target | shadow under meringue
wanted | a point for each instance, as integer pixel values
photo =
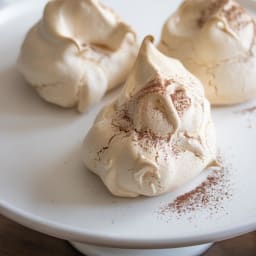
(21, 109)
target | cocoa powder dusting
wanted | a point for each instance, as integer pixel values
(209, 195)
(213, 7)
(248, 110)
(157, 85)
(181, 102)
(250, 114)
(236, 16)
(146, 138)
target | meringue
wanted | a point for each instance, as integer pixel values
(215, 40)
(157, 135)
(78, 51)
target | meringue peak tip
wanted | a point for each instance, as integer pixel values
(147, 44)
(148, 39)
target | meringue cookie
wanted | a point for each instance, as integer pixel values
(78, 51)
(215, 40)
(157, 135)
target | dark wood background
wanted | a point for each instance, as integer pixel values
(16, 240)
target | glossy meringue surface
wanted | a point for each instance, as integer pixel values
(78, 51)
(215, 40)
(157, 135)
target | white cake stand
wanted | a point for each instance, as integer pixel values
(44, 185)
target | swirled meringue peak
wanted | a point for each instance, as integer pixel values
(78, 51)
(216, 41)
(157, 135)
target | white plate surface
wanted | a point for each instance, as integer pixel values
(44, 185)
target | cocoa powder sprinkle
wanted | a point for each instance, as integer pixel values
(210, 195)
(181, 102)
(214, 6)
(248, 110)
(249, 114)
(234, 14)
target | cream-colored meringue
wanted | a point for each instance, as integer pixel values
(157, 135)
(78, 51)
(216, 41)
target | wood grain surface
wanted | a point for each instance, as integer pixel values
(16, 240)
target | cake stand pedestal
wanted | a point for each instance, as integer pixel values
(90, 250)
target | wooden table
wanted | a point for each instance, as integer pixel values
(16, 240)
